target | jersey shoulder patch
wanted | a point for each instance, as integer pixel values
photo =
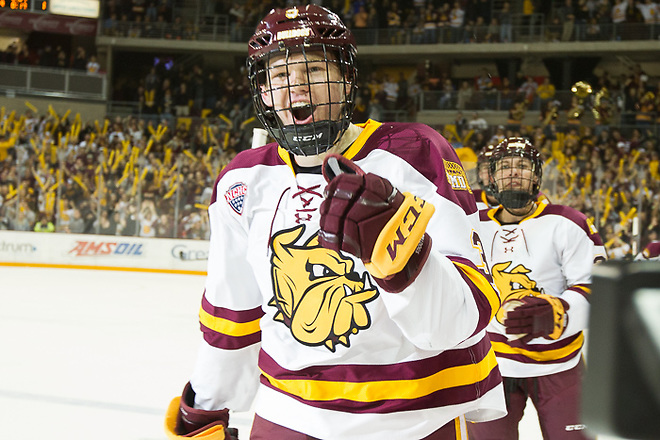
(235, 196)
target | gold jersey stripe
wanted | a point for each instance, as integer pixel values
(484, 286)
(227, 327)
(318, 390)
(585, 289)
(368, 128)
(548, 355)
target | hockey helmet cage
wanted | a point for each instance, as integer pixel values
(510, 196)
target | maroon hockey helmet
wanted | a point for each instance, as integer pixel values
(304, 30)
(483, 161)
(509, 196)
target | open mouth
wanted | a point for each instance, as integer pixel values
(302, 112)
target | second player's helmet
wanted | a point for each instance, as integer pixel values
(510, 187)
(303, 31)
(483, 169)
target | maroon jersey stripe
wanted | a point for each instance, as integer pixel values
(449, 396)
(219, 340)
(582, 289)
(371, 373)
(495, 337)
(525, 360)
(576, 217)
(232, 315)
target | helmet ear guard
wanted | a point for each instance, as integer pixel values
(314, 34)
(515, 196)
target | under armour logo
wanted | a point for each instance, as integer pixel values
(300, 218)
(506, 249)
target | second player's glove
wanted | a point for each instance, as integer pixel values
(537, 316)
(184, 421)
(364, 215)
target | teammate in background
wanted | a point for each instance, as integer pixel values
(651, 252)
(354, 309)
(541, 257)
(484, 195)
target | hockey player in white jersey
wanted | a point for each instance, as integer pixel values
(346, 285)
(484, 195)
(541, 257)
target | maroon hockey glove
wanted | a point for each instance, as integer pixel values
(537, 316)
(362, 215)
(356, 208)
(191, 422)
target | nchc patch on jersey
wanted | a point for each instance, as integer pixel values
(235, 196)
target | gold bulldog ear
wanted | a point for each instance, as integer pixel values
(520, 269)
(501, 267)
(283, 240)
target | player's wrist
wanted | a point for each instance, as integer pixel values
(404, 278)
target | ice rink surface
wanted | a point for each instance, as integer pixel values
(99, 354)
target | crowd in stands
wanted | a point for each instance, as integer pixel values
(151, 174)
(409, 21)
(21, 53)
(169, 90)
(138, 177)
(117, 177)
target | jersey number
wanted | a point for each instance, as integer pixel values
(476, 243)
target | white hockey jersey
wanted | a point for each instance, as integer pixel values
(330, 353)
(552, 251)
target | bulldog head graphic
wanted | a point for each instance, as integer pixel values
(317, 292)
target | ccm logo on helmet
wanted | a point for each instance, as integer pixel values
(307, 138)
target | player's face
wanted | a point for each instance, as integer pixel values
(484, 172)
(514, 174)
(304, 88)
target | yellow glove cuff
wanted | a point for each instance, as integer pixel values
(216, 432)
(399, 238)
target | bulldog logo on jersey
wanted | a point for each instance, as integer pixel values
(317, 292)
(514, 284)
(235, 196)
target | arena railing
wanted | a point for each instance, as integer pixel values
(51, 82)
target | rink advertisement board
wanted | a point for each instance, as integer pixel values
(103, 252)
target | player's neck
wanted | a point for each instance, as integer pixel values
(505, 216)
(352, 133)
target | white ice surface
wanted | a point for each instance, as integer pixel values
(95, 354)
